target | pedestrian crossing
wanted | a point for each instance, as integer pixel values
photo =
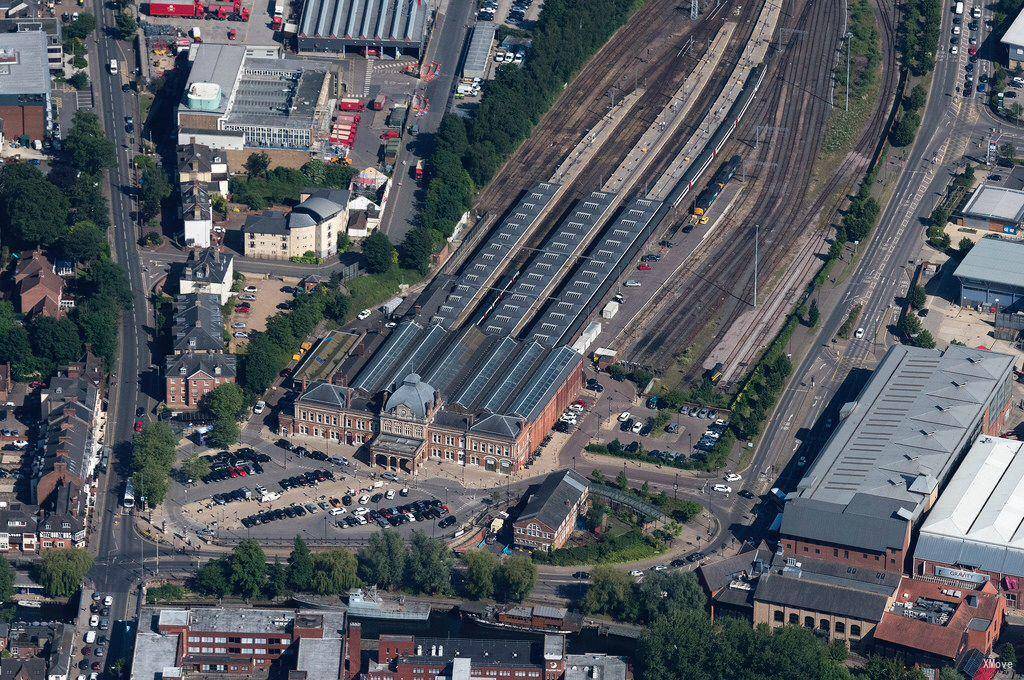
(84, 99)
(367, 79)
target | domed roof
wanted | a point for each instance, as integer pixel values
(414, 393)
(321, 208)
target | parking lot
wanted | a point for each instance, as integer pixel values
(259, 300)
(275, 492)
(258, 30)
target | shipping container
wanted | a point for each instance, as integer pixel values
(391, 305)
(610, 310)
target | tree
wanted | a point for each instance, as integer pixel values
(247, 568)
(87, 145)
(56, 340)
(211, 578)
(227, 401)
(924, 339)
(225, 432)
(60, 572)
(152, 458)
(917, 297)
(515, 578)
(609, 592)
(6, 580)
(33, 211)
(300, 566)
(417, 247)
(378, 252)
(621, 480)
(905, 130)
(1007, 652)
(104, 278)
(382, 562)
(126, 24)
(79, 80)
(153, 189)
(97, 320)
(196, 467)
(813, 314)
(890, 669)
(964, 247)
(85, 241)
(334, 572)
(81, 27)
(256, 164)
(479, 578)
(88, 201)
(1008, 152)
(428, 565)
(277, 581)
(917, 98)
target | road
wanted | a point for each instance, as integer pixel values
(881, 276)
(445, 47)
(119, 552)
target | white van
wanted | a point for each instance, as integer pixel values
(113, 66)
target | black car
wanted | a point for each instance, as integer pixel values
(301, 511)
(746, 493)
(678, 562)
(284, 444)
(581, 575)
(346, 500)
(375, 498)
(647, 429)
(446, 522)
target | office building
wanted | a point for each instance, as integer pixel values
(26, 105)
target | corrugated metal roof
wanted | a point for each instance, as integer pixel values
(912, 419)
(978, 520)
(479, 51)
(545, 382)
(374, 374)
(388, 20)
(994, 260)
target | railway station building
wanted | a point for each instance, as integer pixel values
(893, 450)
(992, 275)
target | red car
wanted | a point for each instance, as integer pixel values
(645, 267)
(972, 51)
(243, 309)
(233, 472)
(139, 425)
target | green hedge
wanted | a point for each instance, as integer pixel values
(628, 547)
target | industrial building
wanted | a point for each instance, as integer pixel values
(993, 208)
(26, 107)
(973, 535)
(1014, 41)
(478, 54)
(992, 275)
(387, 27)
(891, 453)
(547, 520)
(271, 101)
(51, 26)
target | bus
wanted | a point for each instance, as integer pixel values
(129, 495)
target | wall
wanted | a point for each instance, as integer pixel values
(766, 613)
(892, 560)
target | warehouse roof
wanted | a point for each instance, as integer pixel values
(997, 203)
(907, 428)
(479, 50)
(398, 21)
(1015, 34)
(24, 69)
(994, 260)
(977, 520)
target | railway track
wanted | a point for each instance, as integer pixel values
(717, 284)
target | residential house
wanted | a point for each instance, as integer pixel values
(208, 270)
(40, 288)
(198, 162)
(190, 376)
(198, 324)
(196, 213)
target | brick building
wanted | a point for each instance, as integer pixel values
(198, 364)
(550, 515)
(239, 642)
(40, 288)
(893, 450)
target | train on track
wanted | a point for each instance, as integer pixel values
(721, 178)
(719, 139)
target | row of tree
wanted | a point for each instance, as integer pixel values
(423, 565)
(918, 35)
(905, 130)
(466, 156)
(262, 187)
(270, 351)
(153, 452)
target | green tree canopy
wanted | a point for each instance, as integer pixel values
(212, 579)
(334, 572)
(153, 189)
(6, 580)
(196, 467)
(87, 144)
(917, 297)
(257, 164)
(55, 340)
(382, 561)
(61, 572)
(83, 242)
(33, 211)
(515, 578)
(378, 252)
(247, 568)
(428, 565)
(300, 566)
(478, 581)
(227, 401)
(224, 433)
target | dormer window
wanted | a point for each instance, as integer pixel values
(192, 342)
(183, 370)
